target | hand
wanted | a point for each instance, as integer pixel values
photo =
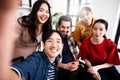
(94, 72)
(75, 65)
(97, 76)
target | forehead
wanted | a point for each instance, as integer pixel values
(84, 12)
(44, 6)
(99, 25)
(65, 23)
(55, 35)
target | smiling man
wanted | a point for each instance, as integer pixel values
(69, 63)
(40, 65)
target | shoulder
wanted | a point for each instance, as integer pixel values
(69, 37)
(79, 24)
(37, 53)
(86, 41)
(37, 56)
(110, 42)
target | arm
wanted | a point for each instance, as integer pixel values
(7, 36)
(14, 76)
(63, 65)
(92, 70)
(71, 66)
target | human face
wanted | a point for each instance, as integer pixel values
(99, 30)
(53, 46)
(64, 28)
(43, 13)
(86, 17)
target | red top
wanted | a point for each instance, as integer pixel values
(106, 52)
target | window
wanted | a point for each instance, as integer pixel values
(73, 8)
(117, 37)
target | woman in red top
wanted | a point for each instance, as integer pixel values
(100, 54)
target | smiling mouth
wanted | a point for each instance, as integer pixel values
(43, 18)
(54, 50)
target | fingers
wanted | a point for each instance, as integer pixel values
(97, 76)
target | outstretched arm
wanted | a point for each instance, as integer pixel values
(7, 36)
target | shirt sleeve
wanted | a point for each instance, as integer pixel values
(17, 71)
(28, 67)
(113, 56)
(82, 52)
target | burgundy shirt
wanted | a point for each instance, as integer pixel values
(106, 52)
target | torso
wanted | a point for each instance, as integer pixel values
(24, 46)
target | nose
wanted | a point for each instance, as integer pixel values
(65, 29)
(54, 44)
(97, 32)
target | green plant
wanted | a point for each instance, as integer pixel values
(55, 18)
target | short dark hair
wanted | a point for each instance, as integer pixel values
(49, 33)
(64, 18)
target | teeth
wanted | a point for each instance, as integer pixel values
(54, 50)
(43, 18)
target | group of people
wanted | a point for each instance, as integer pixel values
(59, 59)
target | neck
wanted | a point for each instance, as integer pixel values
(39, 29)
(97, 40)
(51, 59)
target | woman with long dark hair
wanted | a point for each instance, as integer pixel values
(30, 28)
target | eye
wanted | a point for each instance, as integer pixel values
(95, 28)
(40, 10)
(101, 29)
(49, 40)
(47, 11)
(59, 41)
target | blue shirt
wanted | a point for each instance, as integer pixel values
(36, 67)
(66, 53)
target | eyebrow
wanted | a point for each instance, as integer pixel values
(57, 39)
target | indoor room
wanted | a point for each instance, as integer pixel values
(60, 40)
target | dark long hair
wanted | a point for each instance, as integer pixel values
(103, 22)
(30, 21)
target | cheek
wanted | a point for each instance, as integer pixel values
(61, 47)
(38, 14)
(48, 15)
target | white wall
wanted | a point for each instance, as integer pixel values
(58, 6)
(108, 10)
